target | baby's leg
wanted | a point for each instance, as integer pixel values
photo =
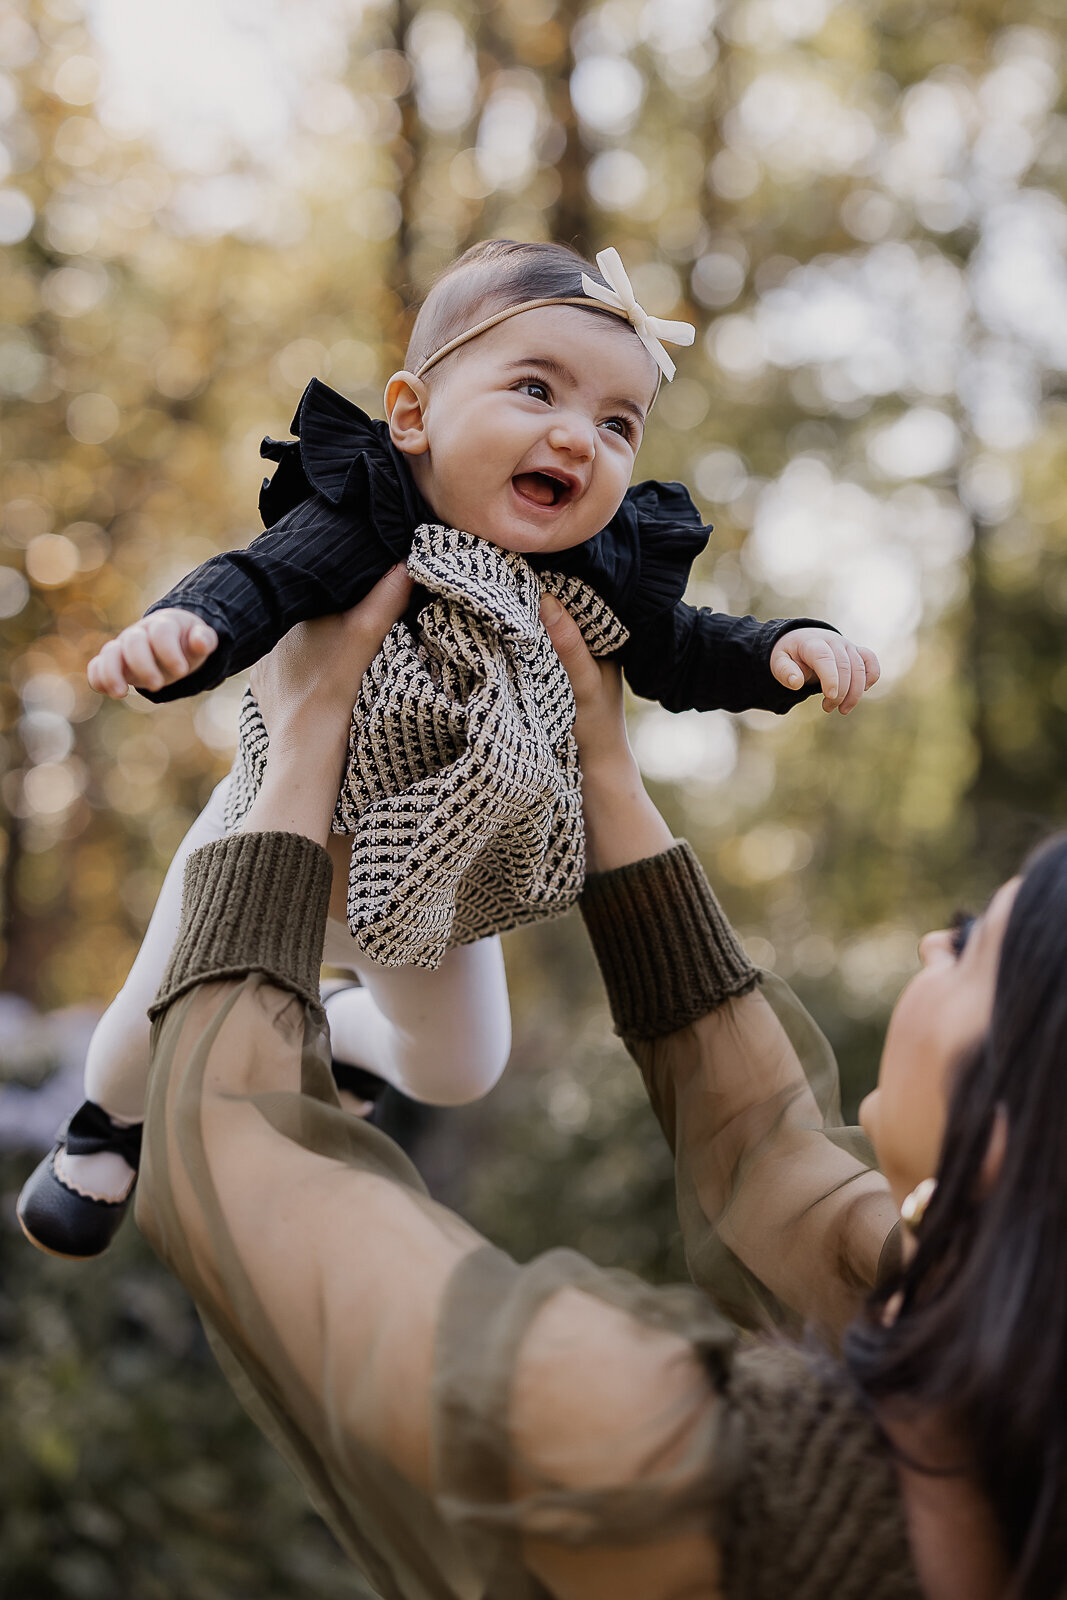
(75, 1199)
(442, 1037)
(116, 1066)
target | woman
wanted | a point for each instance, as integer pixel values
(475, 1429)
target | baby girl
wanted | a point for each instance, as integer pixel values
(529, 379)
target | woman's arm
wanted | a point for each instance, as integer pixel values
(621, 823)
(782, 1216)
(452, 1414)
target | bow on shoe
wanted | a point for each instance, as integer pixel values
(621, 297)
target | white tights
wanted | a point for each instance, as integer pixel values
(442, 1037)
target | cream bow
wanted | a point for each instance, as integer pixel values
(621, 297)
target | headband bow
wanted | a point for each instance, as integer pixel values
(620, 297)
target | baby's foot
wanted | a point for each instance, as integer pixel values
(73, 1202)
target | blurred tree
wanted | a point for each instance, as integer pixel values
(570, 222)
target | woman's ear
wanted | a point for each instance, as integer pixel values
(995, 1150)
(405, 406)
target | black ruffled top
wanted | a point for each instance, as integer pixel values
(341, 509)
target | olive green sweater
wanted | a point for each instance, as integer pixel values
(798, 1488)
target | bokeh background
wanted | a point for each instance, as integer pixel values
(860, 204)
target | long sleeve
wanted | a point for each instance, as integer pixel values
(691, 658)
(784, 1218)
(685, 657)
(343, 506)
(318, 558)
(471, 1429)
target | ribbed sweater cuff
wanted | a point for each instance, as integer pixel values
(665, 948)
(255, 902)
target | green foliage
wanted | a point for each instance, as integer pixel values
(127, 1468)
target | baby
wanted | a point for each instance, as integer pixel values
(529, 380)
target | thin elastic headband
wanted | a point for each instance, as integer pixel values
(502, 316)
(619, 299)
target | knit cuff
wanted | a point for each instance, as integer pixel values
(666, 951)
(255, 902)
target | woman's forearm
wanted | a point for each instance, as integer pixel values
(776, 1199)
(256, 1222)
(306, 689)
(299, 789)
(771, 1207)
(621, 823)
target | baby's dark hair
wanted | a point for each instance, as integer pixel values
(488, 278)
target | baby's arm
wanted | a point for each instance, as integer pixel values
(234, 608)
(703, 660)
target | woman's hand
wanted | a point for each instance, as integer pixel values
(599, 721)
(312, 675)
(306, 689)
(621, 823)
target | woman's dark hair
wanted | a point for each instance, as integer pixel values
(490, 277)
(981, 1336)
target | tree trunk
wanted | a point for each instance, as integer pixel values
(570, 215)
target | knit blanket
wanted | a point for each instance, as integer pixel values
(462, 793)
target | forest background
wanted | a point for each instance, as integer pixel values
(202, 205)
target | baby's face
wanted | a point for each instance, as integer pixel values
(530, 431)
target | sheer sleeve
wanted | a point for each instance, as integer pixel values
(470, 1428)
(476, 1430)
(785, 1220)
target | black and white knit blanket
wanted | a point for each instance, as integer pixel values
(462, 794)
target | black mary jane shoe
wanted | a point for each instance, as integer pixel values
(68, 1222)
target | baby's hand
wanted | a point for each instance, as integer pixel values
(160, 649)
(842, 669)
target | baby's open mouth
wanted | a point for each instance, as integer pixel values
(542, 488)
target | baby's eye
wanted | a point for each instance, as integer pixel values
(534, 388)
(962, 926)
(620, 425)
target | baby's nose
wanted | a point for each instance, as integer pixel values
(574, 435)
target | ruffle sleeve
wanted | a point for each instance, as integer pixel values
(670, 535)
(348, 458)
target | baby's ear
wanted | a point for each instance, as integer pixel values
(405, 406)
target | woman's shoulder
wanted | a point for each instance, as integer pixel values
(817, 1508)
(338, 450)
